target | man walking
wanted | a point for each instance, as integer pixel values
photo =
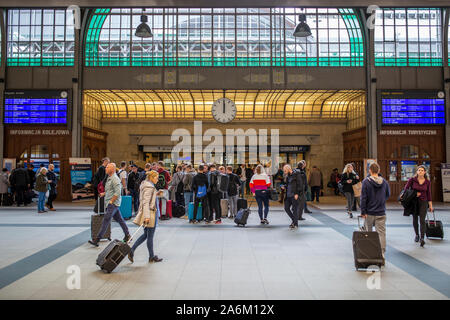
(51, 176)
(294, 194)
(301, 169)
(113, 197)
(374, 194)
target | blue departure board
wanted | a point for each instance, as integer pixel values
(412, 108)
(36, 107)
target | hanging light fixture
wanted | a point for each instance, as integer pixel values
(143, 30)
(302, 30)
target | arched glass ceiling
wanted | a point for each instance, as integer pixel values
(196, 104)
(40, 37)
(224, 37)
(408, 37)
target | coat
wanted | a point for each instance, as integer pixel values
(41, 183)
(147, 204)
(4, 182)
(315, 179)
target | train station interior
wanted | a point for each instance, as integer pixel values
(339, 82)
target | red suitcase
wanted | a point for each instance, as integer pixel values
(168, 209)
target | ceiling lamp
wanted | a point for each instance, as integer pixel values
(143, 30)
(302, 30)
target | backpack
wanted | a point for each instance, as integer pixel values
(161, 184)
(222, 182)
(214, 187)
(201, 191)
(180, 187)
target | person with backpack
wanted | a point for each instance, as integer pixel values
(132, 186)
(200, 187)
(176, 186)
(374, 194)
(422, 185)
(20, 181)
(188, 191)
(213, 195)
(259, 185)
(162, 185)
(233, 189)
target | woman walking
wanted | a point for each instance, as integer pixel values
(259, 184)
(422, 185)
(42, 188)
(349, 178)
(147, 215)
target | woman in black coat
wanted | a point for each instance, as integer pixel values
(349, 178)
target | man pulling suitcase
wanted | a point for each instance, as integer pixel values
(113, 192)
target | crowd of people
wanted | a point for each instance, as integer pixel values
(22, 184)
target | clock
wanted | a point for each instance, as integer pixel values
(224, 110)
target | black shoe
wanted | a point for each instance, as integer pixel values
(307, 211)
(155, 259)
(291, 226)
(94, 242)
(127, 238)
(301, 219)
(350, 215)
(263, 222)
(266, 221)
(422, 242)
(131, 256)
(417, 239)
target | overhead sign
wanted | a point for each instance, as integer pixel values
(408, 132)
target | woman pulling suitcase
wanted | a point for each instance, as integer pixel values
(147, 215)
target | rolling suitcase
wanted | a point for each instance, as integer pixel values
(366, 249)
(434, 228)
(178, 210)
(114, 253)
(242, 217)
(96, 224)
(224, 208)
(242, 204)
(125, 207)
(99, 205)
(191, 211)
(168, 214)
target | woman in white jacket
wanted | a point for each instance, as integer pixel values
(147, 215)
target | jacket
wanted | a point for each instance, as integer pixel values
(4, 182)
(31, 177)
(200, 179)
(295, 184)
(41, 183)
(408, 199)
(52, 176)
(259, 182)
(374, 194)
(100, 175)
(147, 204)
(173, 185)
(233, 184)
(131, 181)
(166, 176)
(315, 179)
(19, 178)
(348, 187)
(188, 179)
(424, 189)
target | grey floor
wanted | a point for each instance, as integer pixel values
(219, 261)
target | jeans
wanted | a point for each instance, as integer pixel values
(261, 197)
(214, 205)
(315, 193)
(422, 207)
(135, 197)
(20, 194)
(350, 196)
(380, 226)
(51, 198)
(41, 201)
(147, 235)
(111, 212)
(188, 196)
(295, 204)
(232, 203)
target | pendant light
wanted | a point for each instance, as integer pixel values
(302, 30)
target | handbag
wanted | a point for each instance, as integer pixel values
(357, 189)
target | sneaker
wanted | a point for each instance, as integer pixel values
(52, 209)
(291, 226)
(263, 222)
(218, 222)
(41, 211)
(191, 221)
(94, 242)
(266, 221)
(155, 259)
(127, 238)
(131, 256)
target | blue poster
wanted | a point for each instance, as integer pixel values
(81, 177)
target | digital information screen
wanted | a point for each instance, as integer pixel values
(412, 108)
(36, 107)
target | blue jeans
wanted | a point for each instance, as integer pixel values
(188, 198)
(147, 235)
(111, 212)
(261, 197)
(41, 201)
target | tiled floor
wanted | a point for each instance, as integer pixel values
(219, 261)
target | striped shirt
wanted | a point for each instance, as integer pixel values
(259, 182)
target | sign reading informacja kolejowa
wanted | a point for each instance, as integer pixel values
(40, 132)
(408, 132)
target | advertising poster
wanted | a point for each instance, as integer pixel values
(408, 169)
(393, 171)
(9, 164)
(445, 169)
(81, 177)
(367, 163)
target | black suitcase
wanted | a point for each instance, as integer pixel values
(434, 228)
(242, 217)
(114, 253)
(242, 204)
(96, 224)
(100, 205)
(367, 249)
(178, 210)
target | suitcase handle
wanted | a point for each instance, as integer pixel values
(131, 238)
(434, 216)
(359, 225)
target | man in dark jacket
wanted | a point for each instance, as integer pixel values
(32, 179)
(233, 190)
(213, 195)
(100, 175)
(301, 169)
(374, 194)
(295, 192)
(199, 180)
(51, 176)
(20, 181)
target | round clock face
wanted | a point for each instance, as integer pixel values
(224, 110)
(441, 94)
